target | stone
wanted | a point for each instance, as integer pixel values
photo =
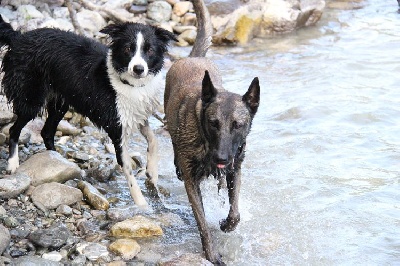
(53, 237)
(49, 166)
(13, 185)
(64, 209)
(159, 11)
(67, 129)
(35, 127)
(222, 7)
(92, 251)
(122, 213)
(52, 195)
(188, 36)
(93, 196)
(135, 9)
(189, 19)
(138, 226)
(5, 238)
(140, 2)
(126, 248)
(29, 12)
(53, 256)
(187, 259)
(34, 261)
(6, 116)
(180, 29)
(181, 8)
(91, 21)
(3, 138)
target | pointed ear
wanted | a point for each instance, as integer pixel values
(208, 92)
(252, 96)
(165, 35)
(112, 29)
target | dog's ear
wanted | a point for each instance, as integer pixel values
(165, 35)
(252, 96)
(208, 91)
(113, 29)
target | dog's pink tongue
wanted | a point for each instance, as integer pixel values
(221, 166)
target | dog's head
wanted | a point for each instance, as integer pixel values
(137, 50)
(226, 120)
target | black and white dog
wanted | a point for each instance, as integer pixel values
(116, 87)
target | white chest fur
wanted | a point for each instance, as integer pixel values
(135, 103)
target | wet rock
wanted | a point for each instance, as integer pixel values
(140, 2)
(64, 209)
(53, 256)
(138, 9)
(3, 138)
(159, 11)
(13, 185)
(52, 195)
(6, 116)
(181, 8)
(33, 261)
(188, 36)
(29, 12)
(49, 166)
(170, 219)
(126, 248)
(35, 127)
(222, 7)
(10, 221)
(5, 238)
(87, 227)
(189, 19)
(122, 213)
(91, 21)
(68, 129)
(187, 259)
(93, 196)
(52, 237)
(137, 226)
(92, 251)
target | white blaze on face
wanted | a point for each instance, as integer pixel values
(137, 59)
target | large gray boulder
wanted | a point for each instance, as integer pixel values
(49, 166)
(52, 195)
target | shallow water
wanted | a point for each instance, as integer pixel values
(321, 176)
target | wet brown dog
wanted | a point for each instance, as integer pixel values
(208, 127)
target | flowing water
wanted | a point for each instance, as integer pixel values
(320, 183)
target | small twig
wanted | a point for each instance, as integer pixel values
(74, 20)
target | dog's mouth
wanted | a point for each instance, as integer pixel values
(221, 165)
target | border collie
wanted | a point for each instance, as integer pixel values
(115, 86)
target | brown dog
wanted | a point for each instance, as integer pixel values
(208, 127)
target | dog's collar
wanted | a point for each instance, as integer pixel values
(127, 83)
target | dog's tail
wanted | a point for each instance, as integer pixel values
(204, 30)
(7, 33)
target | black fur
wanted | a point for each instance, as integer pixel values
(54, 70)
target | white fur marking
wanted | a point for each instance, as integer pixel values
(135, 104)
(137, 59)
(13, 162)
(134, 188)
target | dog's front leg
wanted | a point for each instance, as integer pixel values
(152, 158)
(233, 181)
(192, 190)
(124, 160)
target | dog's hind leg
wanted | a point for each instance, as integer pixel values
(15, 131)
(152, 156)
(233, 182)
(56, 111)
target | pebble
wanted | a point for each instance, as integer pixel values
(52, 237)
(93, 196)
(138, 226)
(126, 248)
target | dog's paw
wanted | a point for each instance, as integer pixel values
(229, 224)
(219, 261)
(152, 189)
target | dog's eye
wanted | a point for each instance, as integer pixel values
(236, 125)
(150, 52)
(127, 50)
(214, 123)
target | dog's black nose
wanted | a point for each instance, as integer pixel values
(138, 69)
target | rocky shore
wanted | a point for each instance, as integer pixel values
(66, 207)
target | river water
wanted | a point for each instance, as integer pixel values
(320, 183)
